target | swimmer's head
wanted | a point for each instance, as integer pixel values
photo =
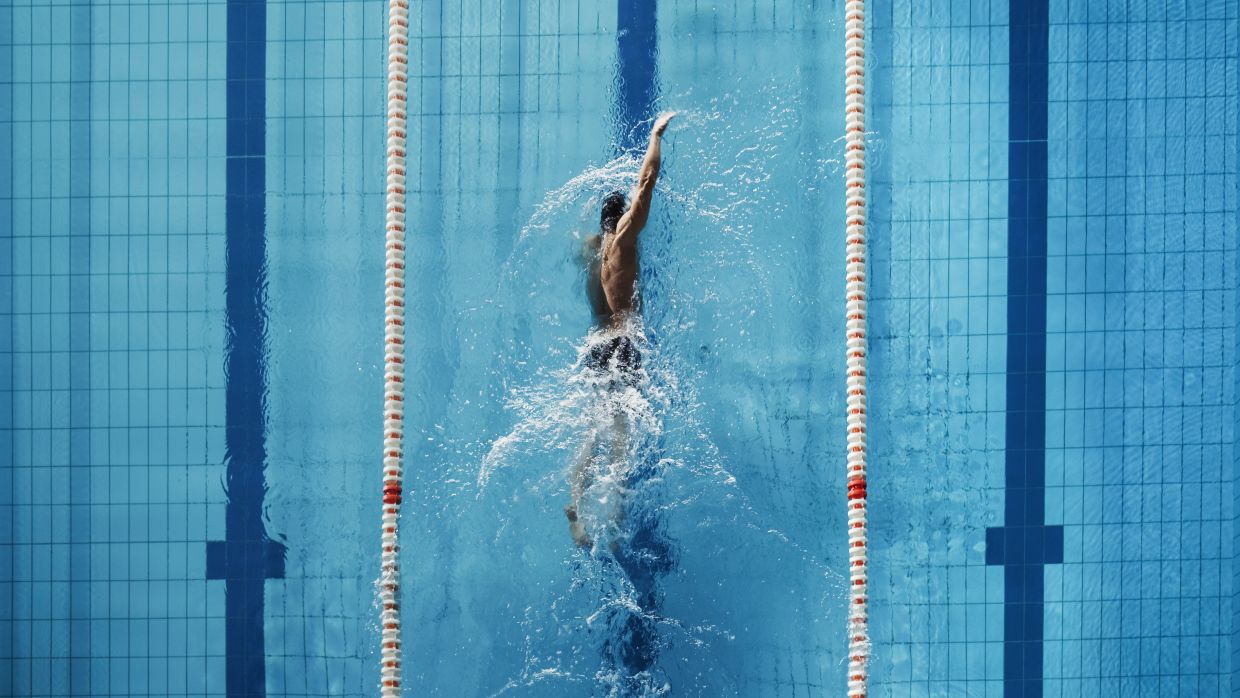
(614, 205)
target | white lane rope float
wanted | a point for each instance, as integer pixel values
(854, 179)
(394, 346)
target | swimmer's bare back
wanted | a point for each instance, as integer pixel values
(618, 271)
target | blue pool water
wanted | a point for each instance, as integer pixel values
(191, 217)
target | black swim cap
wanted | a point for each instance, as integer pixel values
(614, 205)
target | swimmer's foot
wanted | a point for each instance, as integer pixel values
(577, 529)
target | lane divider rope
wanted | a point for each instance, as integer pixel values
(394, 346)
(855, 267)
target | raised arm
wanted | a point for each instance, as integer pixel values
(633, 220)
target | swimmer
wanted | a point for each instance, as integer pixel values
(612, 289)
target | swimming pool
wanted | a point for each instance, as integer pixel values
(191, 351)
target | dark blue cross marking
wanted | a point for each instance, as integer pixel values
(1026, 544)
(247, 557)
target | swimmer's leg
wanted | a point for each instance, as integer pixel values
(620, 467)
(578, 483)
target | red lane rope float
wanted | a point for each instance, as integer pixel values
(854, 107)
(394, 347)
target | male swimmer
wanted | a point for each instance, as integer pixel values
(612, 288)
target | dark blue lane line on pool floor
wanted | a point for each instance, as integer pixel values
(637, 48)
(246, 558)
(1025, 544)
(647, 556)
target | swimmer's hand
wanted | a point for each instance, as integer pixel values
(660, 124)
(577, 529)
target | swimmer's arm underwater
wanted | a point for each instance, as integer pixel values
(590, 246)
(632, 222)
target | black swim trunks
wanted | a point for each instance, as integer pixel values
(617, 358)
